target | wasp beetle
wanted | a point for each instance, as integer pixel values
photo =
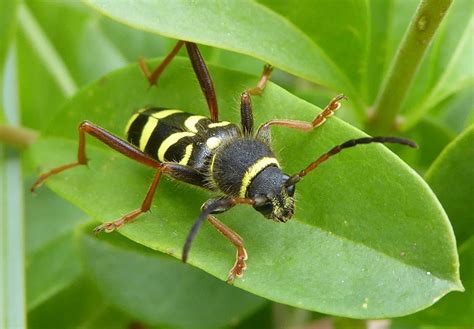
(220, 156)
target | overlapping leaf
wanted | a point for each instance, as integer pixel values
(245, 27)
(160, 290)
(451, 177)
(367, 232)
(51, 254)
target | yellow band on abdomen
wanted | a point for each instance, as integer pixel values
(169, 141)
(147, 130)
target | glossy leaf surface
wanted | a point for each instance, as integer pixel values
(161, 290)
(242, 26)
(51, 252)
(366, 226)
(451, 177)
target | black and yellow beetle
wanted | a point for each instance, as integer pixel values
(220, 156)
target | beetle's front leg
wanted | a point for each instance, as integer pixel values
(263, 131)
(241, 256)
(218, 206)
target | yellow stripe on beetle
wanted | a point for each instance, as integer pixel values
(170, 141)
(147, 130)
(164, 113)
(218, 124)
(253, 171)
(129, 123)
(187, 155)
(190, 123)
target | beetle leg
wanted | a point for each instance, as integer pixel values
(146, 204)
(219, 206)
(241, 255)
(200, 69)
(246, 114)
(264, 130)
(177, 171)
(258, 89)
(204, 78)
(105, 137)
(152, 77)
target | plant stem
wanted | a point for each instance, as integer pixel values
(416, 40)
(15, 136)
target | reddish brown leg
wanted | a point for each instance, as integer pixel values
(328, 111)
(107, 138)
(200, 69)
(177, 171)
(152, 77)
(258, 89)
(220, 205)
(241, 256)
(146, 204)
(204, 78)
(246, 114)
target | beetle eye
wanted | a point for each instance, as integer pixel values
(291, 190)
(265, 208)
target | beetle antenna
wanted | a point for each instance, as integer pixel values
(219, 205)
(350, 143)
(192, 233)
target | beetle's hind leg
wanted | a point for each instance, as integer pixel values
(177, 171)
(105, 137)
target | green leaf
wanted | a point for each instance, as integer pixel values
(456, 309)
(7, 27)
(71, 308)
(51, 269)
(431, 137)
(52, 259)
(451, 177)
(81, 44)
(48, 217)
(457, 111)
(160, 289)
(55, 57)
(253, 29)
(366, 226)
(349, 27)
(39, 65)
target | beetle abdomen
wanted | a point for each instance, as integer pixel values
(171, 135)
